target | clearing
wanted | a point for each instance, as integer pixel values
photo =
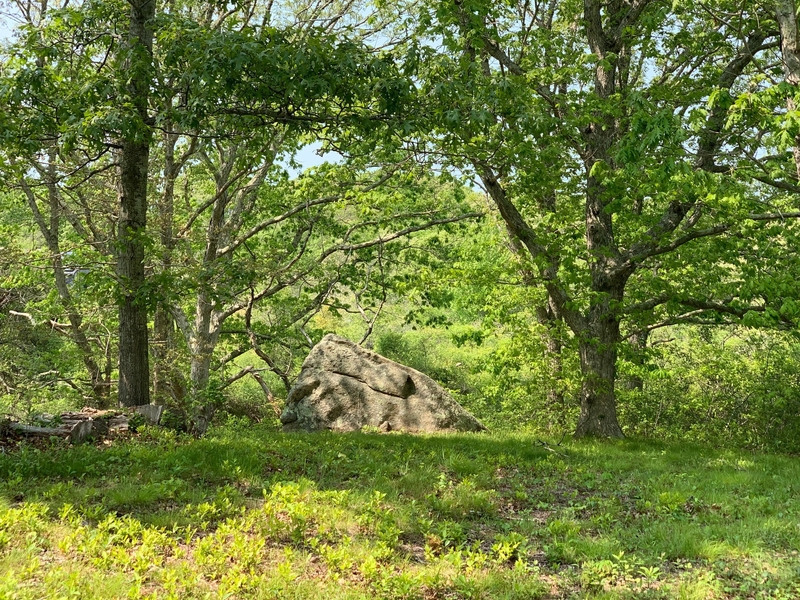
(248, 512)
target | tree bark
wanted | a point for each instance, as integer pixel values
(599, 338)
(134, 366)
(598, 354)
(786, 14)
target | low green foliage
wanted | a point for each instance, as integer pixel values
(251, 513)
(732, 387)
(727, 387)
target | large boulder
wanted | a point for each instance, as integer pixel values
(344, 387)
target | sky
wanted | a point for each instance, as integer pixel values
(5, 27)
(307, 157)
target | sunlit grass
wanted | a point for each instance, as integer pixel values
(251, 513)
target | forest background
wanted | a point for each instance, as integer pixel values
(578, 217)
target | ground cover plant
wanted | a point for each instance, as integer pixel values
(247, 512)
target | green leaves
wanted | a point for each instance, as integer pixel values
(272, 75)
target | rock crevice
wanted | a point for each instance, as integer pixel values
(408, 389)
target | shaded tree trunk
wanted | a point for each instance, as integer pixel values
(598, 356)
(134, 366)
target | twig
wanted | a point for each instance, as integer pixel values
(549, 448)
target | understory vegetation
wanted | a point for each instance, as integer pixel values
(247, 512)
(727, 387)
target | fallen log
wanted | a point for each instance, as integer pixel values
(61, 431)
(89, 422)
(77, 432)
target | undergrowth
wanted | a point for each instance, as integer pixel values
(250, 513)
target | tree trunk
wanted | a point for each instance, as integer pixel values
(134, 366)
(598, 353)
(599, 335)
(163, 325)
(200, 375)
(200, 372)
(639, 346)
(555, 388)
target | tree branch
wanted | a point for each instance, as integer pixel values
(293, 211)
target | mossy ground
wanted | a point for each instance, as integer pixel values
(248, 512)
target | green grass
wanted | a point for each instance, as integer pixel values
(250, 513)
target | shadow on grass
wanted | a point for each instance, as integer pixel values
(581, 501)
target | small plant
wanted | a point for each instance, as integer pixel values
(599, 574)
(511, 546)
(445, 536)
(671, 502)
(651, 573)
(135, 422)
(338, 558)
(564, 529)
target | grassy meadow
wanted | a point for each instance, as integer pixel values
(248, 512)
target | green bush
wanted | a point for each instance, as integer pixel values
(729, 387)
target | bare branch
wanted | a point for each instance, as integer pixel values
(293, 211)
(23, 314)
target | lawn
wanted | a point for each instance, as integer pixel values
(247, 512)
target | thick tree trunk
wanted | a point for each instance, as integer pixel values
(599, 334)
(134, 366)
(598, 353)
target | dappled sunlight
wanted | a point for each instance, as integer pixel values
(246, 510)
